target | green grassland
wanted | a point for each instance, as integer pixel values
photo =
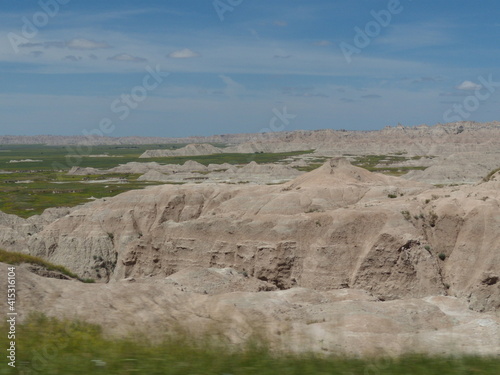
(28, 188)
(373, 163)
(382, 163)
(490, 175)
(13, 258)
(50, 346)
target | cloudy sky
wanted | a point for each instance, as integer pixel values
(201, 67)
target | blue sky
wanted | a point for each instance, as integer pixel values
(230, 66)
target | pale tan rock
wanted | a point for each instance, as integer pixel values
(346, 321)
(336, 227)
(189, 150)
(338, 260)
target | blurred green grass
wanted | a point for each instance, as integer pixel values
(50, 346)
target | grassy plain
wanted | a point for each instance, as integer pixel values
(28, 188)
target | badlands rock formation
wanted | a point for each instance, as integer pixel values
(192, 170)
(345, 260)
(189, 150)
(461, 168)
(458, 153)
(439, 140)
(346, 321)
(455, 153)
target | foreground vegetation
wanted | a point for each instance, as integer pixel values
(490, 175)
(50, 346)
(14, 258)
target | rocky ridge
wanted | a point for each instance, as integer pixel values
(336, 227)
(346, 321)
(338, 260)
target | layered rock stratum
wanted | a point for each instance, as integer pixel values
(338, 260)
(345, 321)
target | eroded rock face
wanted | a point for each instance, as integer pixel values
(336, 227)
(438, 140)
(346, 321)
(189, 150)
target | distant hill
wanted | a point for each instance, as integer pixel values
(469, 132)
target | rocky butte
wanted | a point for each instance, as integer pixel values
(339, 259)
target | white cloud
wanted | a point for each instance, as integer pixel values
(412, 36)
(281, 23)
(75, 44)
(469, 86)
(427, 79)
(127, 58)
(86, 44)
(185, 53)
(222, 54)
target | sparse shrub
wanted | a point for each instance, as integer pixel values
(392, 196)
(433, 217)
(427, 247)
(313, 209)
(490, 175)
(19, 258)
(14, 258)
(406, 215)
(442, 256)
